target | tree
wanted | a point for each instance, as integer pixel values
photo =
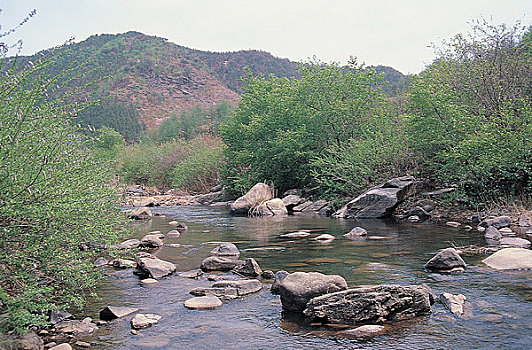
(55, 199)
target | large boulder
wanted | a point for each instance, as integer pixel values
(445, 261)
(258, 194)
(370, 304)
(219, 263)
(378, 202)
(497, 222)
(510, 259)
(297, 288)
(155, 267)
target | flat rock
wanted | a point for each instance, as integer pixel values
(76, 326)
(370, 304)
(144, 320)
(63, 346)
(510, 259)
(446, 259)
(298, 234)
(369, 329)
(457, 304)
(224, 293)
(243, 287)
(226, 249)
(109, 313)
(155, 267)
(129, 244)
(193, 274)
(497, 222)
(325, 237)
(219, 263)
(123, 264)
(316, 206)
(149, 281)
(297, 288)
(514, 242)
(203, 303)
(453, 224)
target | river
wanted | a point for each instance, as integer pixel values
(392, 254)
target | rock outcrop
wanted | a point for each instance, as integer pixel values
(370, 305)
(378, 202)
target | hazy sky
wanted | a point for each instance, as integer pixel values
(397, 33)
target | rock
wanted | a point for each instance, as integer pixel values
(216, 278)
(267, 275)
(173, 234)
(524, 221)
(445, 260)
(481, 229)
(453, 224)
(414, 219)
(123, 263)
(325, 237)
(155, 267)
(506, 231)
(302, 206)
(181, 227)
(378, 202)
(421, 213)
(468, 228)
(277, 207)
(370, 304)
(75, 326)
(298, 234)
(58, 316)
(157, 234)
(149, 281)
(129, 244)
(144, 320)
(63, 346)
(432, 296)
(136, 190)
(222, 293)
(193, 274)
(497, 222)
(140, 213)
(217, 188)
(148, 202)
(219, 263)
(278, 277)
(82, 344)
(109, 313)
(292, 200)
(492, 233)
(203, 303)
(297, 288)
(316, 206)
(100, 262)
(250, 268)
(427, 205)
(209, 198)
(243, 287)
(457, 304)
(356, 232)
(366, 330)
(326, 211)
(510, 259)
(226, 249)
(514, 242)
(258, 194)
(29, 341)
(151, 241)
(173, 223)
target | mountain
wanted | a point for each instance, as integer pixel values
(160, 78)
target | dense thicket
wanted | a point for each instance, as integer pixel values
(54, 199)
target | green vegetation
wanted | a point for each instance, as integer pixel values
(54, 199)
(334, 133)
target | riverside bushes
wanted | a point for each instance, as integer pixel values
(54, 200)
(191, 166)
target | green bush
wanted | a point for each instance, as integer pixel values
(54, 197)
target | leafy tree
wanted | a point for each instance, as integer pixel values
(471, 121)
(54, 199)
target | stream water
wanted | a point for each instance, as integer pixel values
(392, 254)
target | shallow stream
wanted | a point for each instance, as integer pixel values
(392, 254)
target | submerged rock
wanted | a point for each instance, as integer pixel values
(370, 304)
(457, 304)
(510, 259)
(445, 261)
(298, 234)
(325, 237)
(109, 313)
(297, 288)
(366, 330)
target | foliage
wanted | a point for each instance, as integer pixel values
(282, 127)
(54, 197)
(189, 165)
(112, 114)
(191, 123)
(471, 121)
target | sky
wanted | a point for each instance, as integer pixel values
(397, 33)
